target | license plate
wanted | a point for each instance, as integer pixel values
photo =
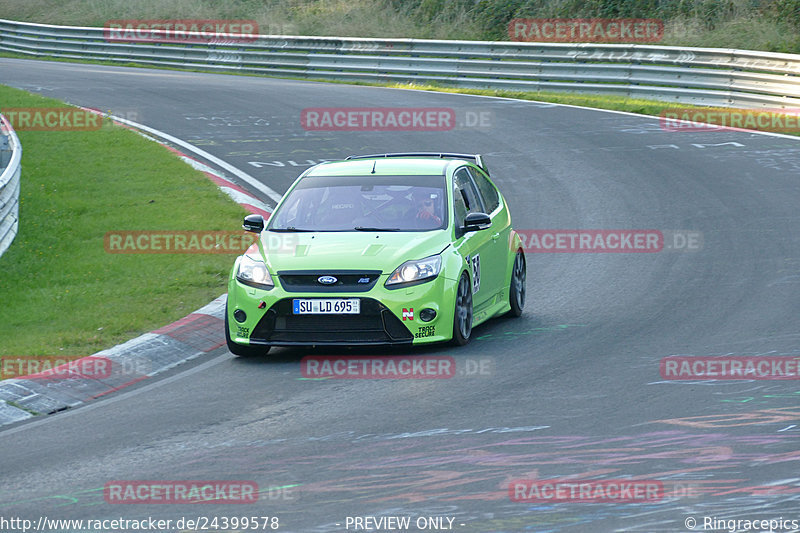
(328, 306)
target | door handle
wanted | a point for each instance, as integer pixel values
(495, 236)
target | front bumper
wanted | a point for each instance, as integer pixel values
(375, 324)
(387, 316)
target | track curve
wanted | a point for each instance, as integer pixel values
(574, 388)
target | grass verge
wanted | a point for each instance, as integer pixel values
(788, 126)
(61, 293)
(620, 103)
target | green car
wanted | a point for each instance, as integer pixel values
(379, 249)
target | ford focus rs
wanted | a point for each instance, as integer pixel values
(380, 249)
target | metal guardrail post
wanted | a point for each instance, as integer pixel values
(10, 171)
(5, 150)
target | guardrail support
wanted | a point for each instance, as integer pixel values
(10, 171)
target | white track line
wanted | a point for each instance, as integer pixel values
(244, 176)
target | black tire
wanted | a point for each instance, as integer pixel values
(516, 293)
(462, 317)
(240, 350)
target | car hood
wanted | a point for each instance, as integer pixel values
(367, 250)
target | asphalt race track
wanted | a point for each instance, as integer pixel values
(570, 390)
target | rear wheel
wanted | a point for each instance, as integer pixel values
(462, 318)
(239, 349)
(516, 293)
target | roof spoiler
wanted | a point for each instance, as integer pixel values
(442, 155)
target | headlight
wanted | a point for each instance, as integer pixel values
(254, 273)
(414, 272)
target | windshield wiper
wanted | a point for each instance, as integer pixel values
(362, 228)
(290, 229)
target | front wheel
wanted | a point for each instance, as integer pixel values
(516, 293)
(462, 318)
(239, 349)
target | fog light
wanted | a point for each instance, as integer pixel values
(240, 315)
(427, 314)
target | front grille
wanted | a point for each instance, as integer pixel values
(375, 324)
(346, 280)
(327, 323)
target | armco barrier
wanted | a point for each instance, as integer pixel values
(705, 76)
(10, 165)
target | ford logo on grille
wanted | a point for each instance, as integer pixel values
(327, 280)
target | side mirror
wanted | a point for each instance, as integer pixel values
(253, 223)
(477, 221)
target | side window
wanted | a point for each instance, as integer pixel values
(459, 207)
(491, 200)
(465, 195)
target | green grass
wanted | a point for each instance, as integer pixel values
(616, 103)
(61, 293)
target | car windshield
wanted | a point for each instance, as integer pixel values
(382, 203)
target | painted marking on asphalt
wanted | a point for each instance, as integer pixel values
(247, 178)
(731, 143)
